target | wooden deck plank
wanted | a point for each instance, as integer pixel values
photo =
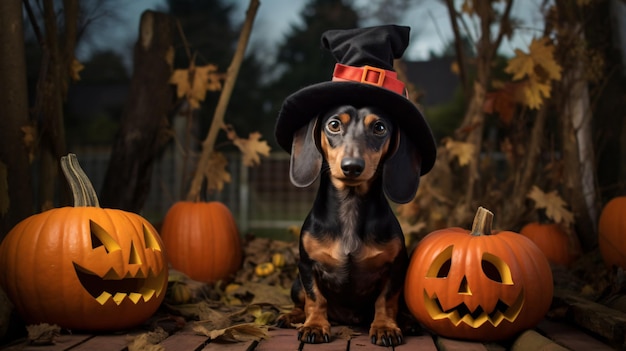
(184, 340)
(363, 342)
(445, 344)
(421, 342)
(104, 343)
(287, 340)
(223, 346)
(571, 337)
(280, 340)
(61, 343)
(592, 316)
(532, 340)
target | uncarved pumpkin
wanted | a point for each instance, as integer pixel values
(478, 285)
(612, 232)
(202, 240)
(552, 239)
(84, 267)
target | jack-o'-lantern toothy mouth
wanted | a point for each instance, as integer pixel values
(117, 288)
(461, 313)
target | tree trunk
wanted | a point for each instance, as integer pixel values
(472, 127)
(525, 174)
(128, 178)
(578, 156)
(15, 186)
(50, 111)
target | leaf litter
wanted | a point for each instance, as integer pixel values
(244, 307)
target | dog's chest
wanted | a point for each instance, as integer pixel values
(347, 257)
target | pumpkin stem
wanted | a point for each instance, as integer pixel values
(482, 222)
(82, 189)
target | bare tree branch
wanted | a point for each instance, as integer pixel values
(222, 104)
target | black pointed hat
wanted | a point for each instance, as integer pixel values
(363, 76)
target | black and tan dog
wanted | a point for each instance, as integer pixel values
(352, 254)
(353, 258)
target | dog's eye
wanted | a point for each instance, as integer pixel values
(334, 125)
(380, 128)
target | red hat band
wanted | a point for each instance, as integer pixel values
(370, 75)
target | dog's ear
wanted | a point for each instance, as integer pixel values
(306, 160)
(401, 171)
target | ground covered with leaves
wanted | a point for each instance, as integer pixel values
(242, 308)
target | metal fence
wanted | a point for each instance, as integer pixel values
(261, 198)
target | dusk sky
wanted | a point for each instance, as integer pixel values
(430, 26)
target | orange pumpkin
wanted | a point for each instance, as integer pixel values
(84, 267)
(552, 239)
(478, 285)
(612, 232)
(202, 240)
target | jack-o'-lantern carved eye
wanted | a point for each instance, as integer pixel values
(100, 238)
(150, 239)
(496, 269)
(440, 268)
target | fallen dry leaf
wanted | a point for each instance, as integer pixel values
(43, 333)
(345, 333)
(148, 341)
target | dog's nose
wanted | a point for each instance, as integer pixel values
(352, 167)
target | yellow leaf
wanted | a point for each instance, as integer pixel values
(252, 148)
(538, 61)
(75, 69)
(201, 84)
(542, 52)
(553, 204)
(534, 92)
(464, 152)
(520, 66)
(538, 68)
(216, 173)
(180, 78)
(194, 82)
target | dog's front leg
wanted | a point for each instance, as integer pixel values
(384, 330)
(316, 328)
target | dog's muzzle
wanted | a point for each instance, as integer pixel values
(352, 167)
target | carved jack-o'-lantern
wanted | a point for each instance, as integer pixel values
(478, 286)
(84, 267)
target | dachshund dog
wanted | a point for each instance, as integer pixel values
(353, 257)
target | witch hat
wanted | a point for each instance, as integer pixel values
(363, 76)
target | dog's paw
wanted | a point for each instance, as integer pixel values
(314, 334)
(387, 334)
